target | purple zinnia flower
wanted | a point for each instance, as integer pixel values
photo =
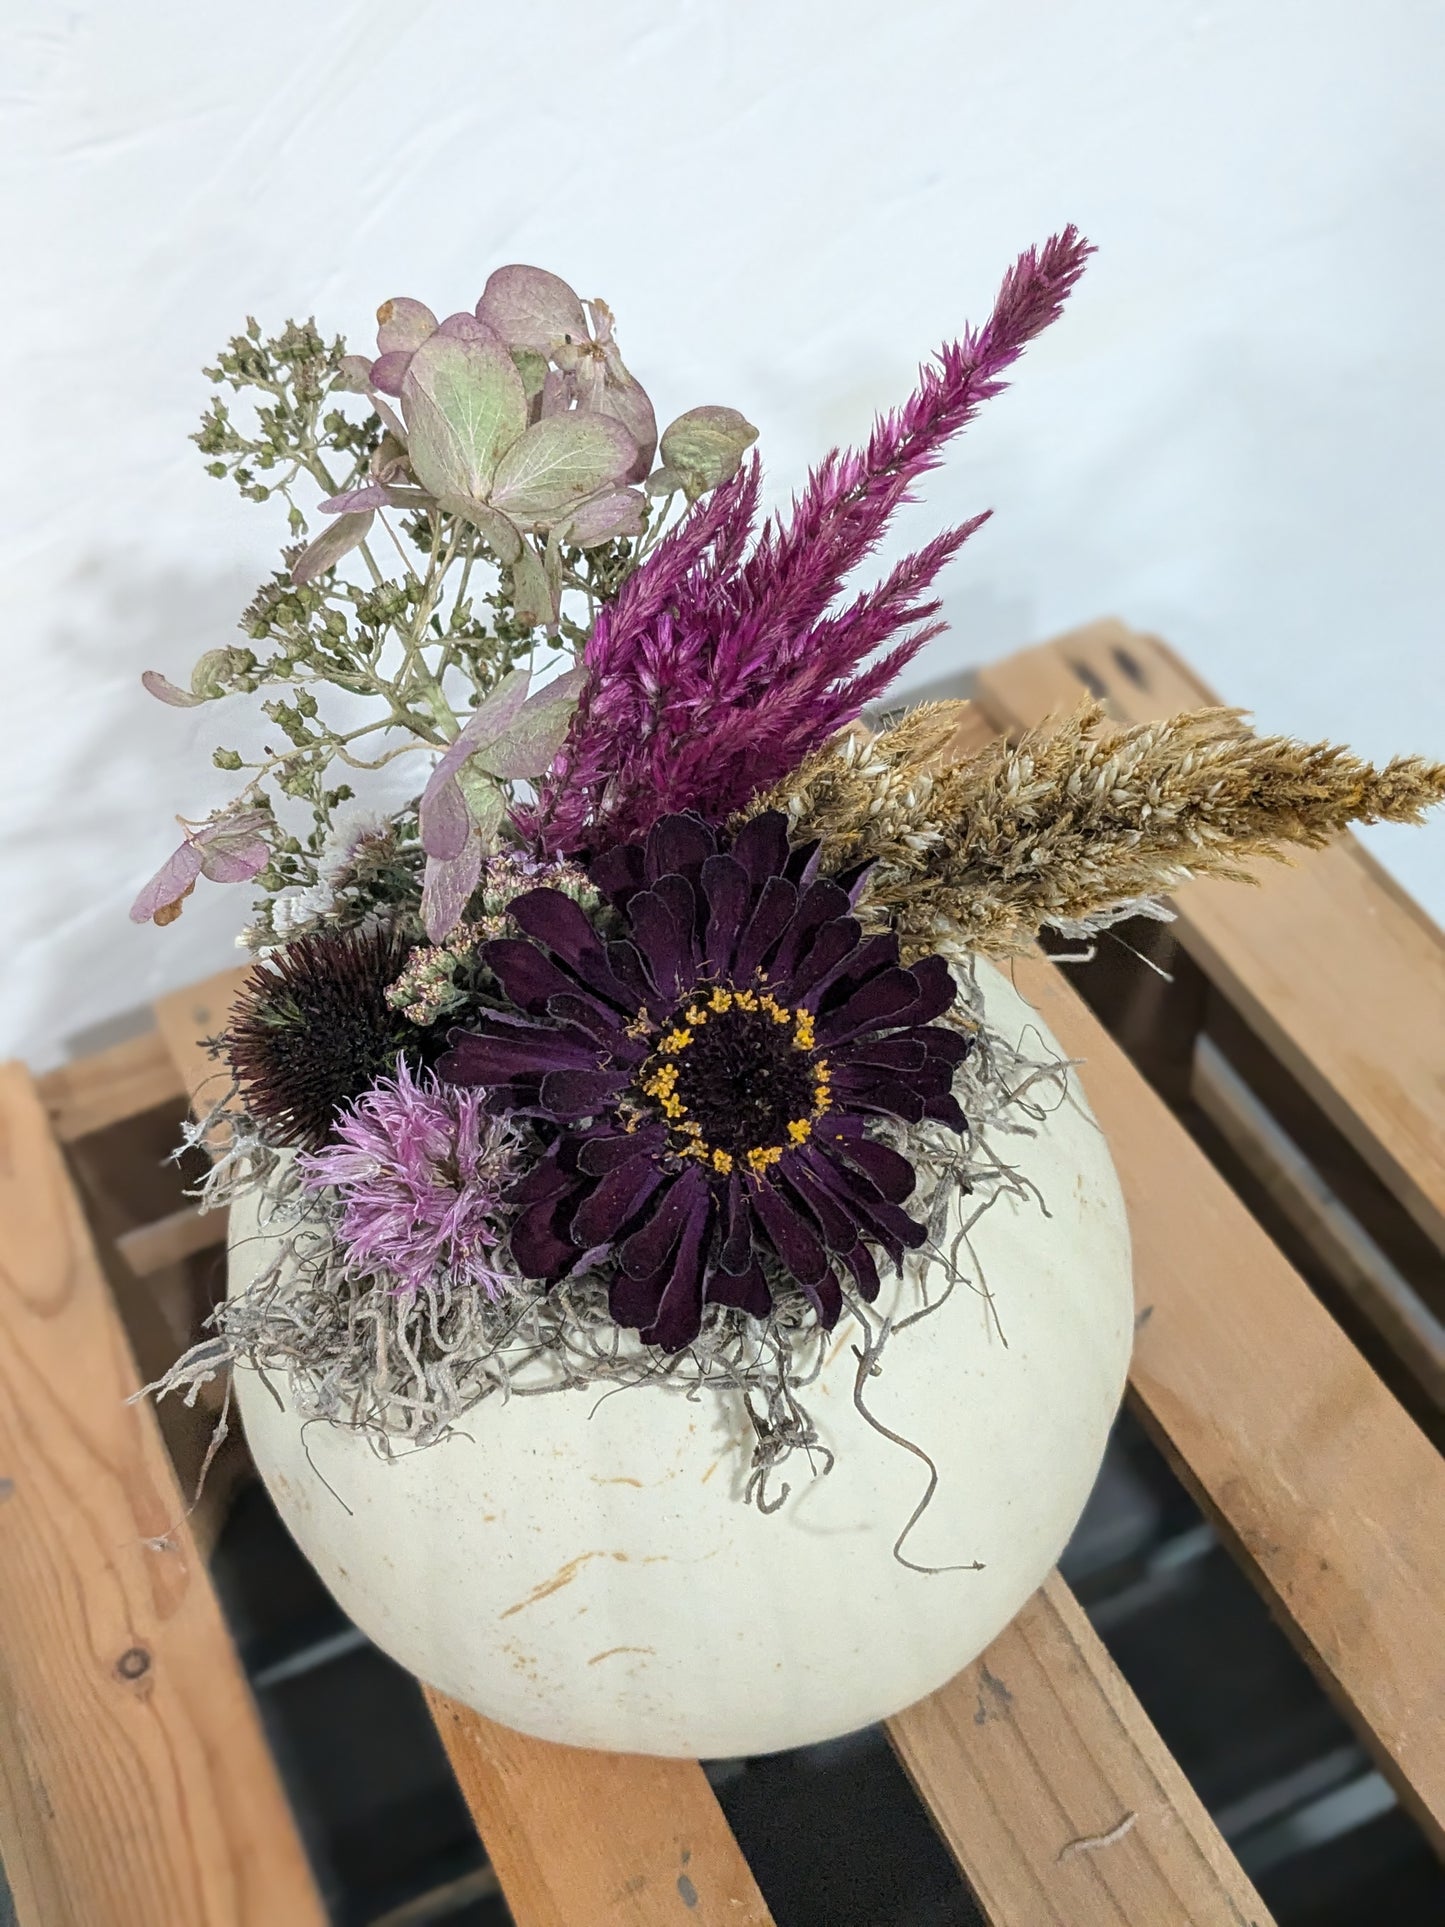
(711, 1075)
(421, 1170)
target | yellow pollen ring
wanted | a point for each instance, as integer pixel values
(660, 1082)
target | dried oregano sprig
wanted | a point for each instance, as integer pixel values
(496, 484)
(1076, 819)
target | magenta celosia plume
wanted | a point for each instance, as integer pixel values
(420, 1169)
(723, 661)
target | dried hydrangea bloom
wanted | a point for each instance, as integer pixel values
(711, 1077)
(420, 1169)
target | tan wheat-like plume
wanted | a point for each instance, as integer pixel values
(1076, 819)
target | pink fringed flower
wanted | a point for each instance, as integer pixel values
(420, 1169)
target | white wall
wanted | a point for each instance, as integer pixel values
(1234, 438)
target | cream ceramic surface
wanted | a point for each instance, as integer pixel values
(583, 1568)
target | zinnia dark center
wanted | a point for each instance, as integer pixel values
(736, 1077)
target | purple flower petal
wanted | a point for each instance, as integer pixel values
(539, 1248)
(820, 903)
(761, 846)
(885, 1168)
(876, 1006)
(865, 1272)
(834, 945)
(175, 879)
(528, 976)
(603, 1154)
(871, 958)
(726, 886)
(530, 308)
(346, 533)
(737, 1245)
(792, 1238)
(665, 949)
(879, 1219)
(495, 1051)
(447, 887)
(682, 900)
(678, 846)
(819, 1207)
(745, 1290)
(606, 517)
(620, 1195)
(620, 874)
(371, 495)
(945, 1108)
(646, 1251)
(571, 1094)
(771, 916)
(402, 325)
(556, 921)
(627, 966)
(444, 819)
(233, 858)
(165, 691)
(903, 1053)
(388, 371)
(936, 990)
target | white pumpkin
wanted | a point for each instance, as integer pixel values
(585, 1569)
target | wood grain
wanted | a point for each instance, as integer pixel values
(111, 1085)
(1331, 964)
(149, 1248)
(609, 1839)
(1332, 1496)
(185, 1019)
(1331, 1231)
(136, 1789)
(1059, 1801)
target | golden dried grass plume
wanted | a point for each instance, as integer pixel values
(1077, 819)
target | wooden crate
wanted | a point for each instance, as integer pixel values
(1298, 1039)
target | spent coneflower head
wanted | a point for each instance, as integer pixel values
(419, 1169)
(312, 1028)
(711, 1079)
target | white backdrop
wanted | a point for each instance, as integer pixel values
(1234, 437)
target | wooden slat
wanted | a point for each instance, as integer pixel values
(1059, 1801)
(1328, 1227)
(136, 1789)
(179, 1235)
(184, 1019)
(1331, 1495)
(611, 1839)
(575, 1836)
(1331, 964)
(113, 1084)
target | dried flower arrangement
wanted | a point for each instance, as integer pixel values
(646, 1029)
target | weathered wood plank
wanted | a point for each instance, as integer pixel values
(136, 1789)
(180, 1234)
(1328, 1227)
(611, 1839)
(184, 1019)
(1330, 944)
(110, 1085)
(1332, 1496)
(1059, 1801)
